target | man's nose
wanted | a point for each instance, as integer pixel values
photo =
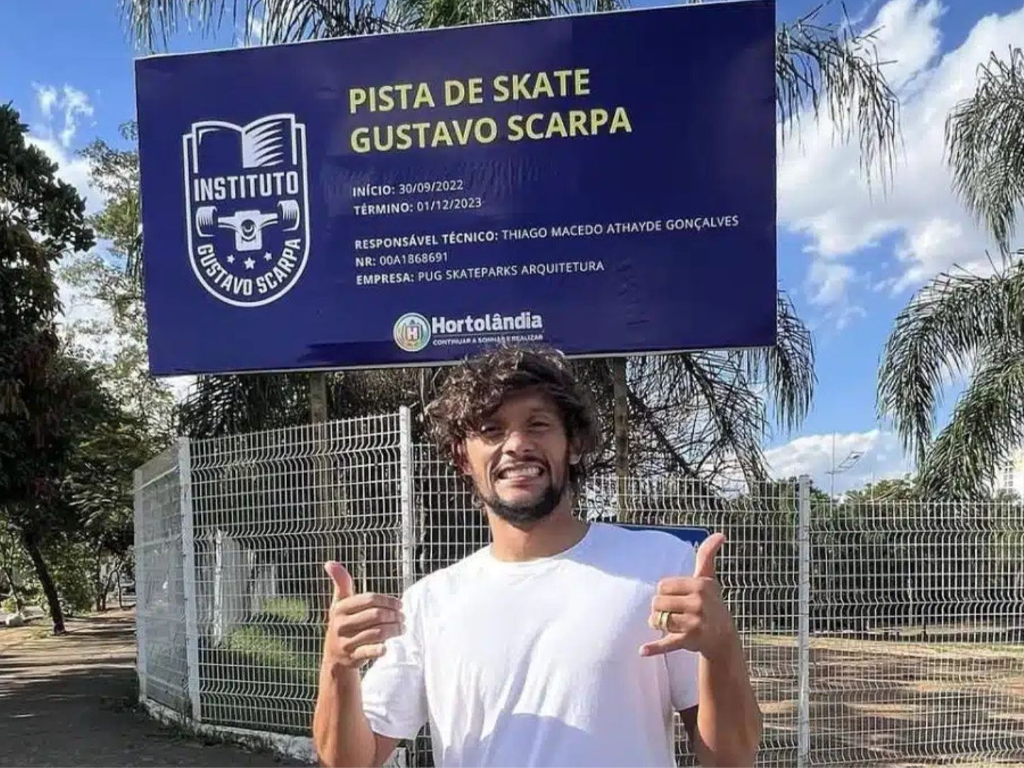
(519, 441)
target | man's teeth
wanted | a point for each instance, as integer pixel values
(522, 472)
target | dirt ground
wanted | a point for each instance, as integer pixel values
(71, 700)
(894, 704)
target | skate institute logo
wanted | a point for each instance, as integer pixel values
(247, 207)
(412, 332)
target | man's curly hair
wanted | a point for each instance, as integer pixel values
(478, 386)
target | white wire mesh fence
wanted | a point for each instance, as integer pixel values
(917, 619)
(269, 509)
(160, 581)
(878, 632)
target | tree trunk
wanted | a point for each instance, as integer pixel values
(19, 603)
(48, 586)
(99, 582)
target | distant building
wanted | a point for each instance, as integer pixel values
(1010, 476)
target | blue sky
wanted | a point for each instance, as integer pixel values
(849, 257)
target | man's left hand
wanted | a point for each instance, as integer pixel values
(698, 619)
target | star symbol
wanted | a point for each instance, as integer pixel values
(268, 256)
(250, 263)
(231, 259)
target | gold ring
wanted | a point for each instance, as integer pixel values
(663, 620)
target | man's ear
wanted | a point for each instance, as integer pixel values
(574, 453)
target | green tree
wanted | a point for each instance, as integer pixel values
(98, 489)
(17, 582)
(889, 489)
(967, 325)
(115, 339)
(41, 392)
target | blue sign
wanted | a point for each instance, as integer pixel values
(602, 183)
(691, 534)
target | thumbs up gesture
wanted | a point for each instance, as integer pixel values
(689, 610)
(358, 625)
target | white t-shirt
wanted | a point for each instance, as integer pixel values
(538, 663)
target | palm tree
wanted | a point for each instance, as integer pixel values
(963, 324)
(960, 324)
(703, 414)
(984, 135)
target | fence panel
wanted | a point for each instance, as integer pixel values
(269, 509)
(878, 632)
(758, 568)
(159, 582)
(917, 613)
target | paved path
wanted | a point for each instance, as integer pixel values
(70, 700)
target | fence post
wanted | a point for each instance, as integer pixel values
(141, 594)
(188, 576)
(405, 469)
(804, 625)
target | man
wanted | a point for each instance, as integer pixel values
(562, 643)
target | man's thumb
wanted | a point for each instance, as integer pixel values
(705, 568)
(342, 579)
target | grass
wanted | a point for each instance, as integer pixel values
(291, 609)
(265, 649)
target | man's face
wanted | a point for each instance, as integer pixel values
(519, 458)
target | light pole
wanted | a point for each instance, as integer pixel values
(851, 458)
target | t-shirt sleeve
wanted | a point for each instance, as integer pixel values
(682, 678)
(393, 688)
(683, 664)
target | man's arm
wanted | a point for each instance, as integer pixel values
(725, 727)
(341, 733)
(356, 631)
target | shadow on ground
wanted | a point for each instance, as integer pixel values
(71, 700)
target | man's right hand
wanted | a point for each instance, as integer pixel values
(358, 625)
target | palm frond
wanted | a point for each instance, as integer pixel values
(419, 14)
(735, 410)
(224, 405)
(697, 414)
(985, 141)
(987, 424)
(286, 21)
(832, 68)
(938, 334)
(786, 368)
(152, 22)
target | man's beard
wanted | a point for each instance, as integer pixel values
(523, 514)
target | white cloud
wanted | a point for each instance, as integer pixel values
(73, 170)
(256, 28)
(73, 105)
(249, 31)
(46, 96)
(881, 457)
(62, 110)
(827, 284)
(823, 192)
(77, 308)
(76, 105)
(827, 281)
